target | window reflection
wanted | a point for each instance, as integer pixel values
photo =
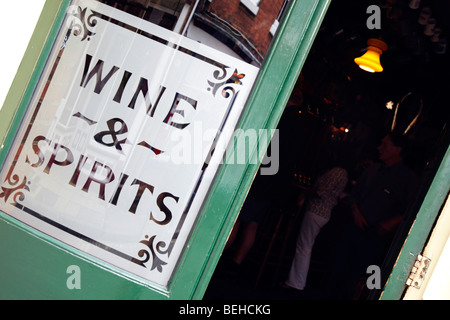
(243, 29)
(162, 12)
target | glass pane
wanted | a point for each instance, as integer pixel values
(243, 29)
(128, 125)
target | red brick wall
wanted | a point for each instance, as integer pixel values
(254, 27)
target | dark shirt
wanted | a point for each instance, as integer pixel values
(383, 192)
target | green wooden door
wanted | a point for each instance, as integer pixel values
(35, 264)
(422, 227)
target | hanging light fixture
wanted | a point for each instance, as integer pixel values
(370, 61)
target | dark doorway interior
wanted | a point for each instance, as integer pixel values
(338, 107)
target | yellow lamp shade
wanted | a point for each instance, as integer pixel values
(370, 61)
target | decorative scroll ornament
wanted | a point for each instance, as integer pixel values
(157, 263)
(80, 22)
(16, 190)
(228, 87)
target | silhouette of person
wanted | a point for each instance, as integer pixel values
(378, 201)
(328, 189)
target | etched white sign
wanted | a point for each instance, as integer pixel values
(111, 156)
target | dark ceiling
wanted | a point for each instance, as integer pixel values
(410, 56)
(411, 65)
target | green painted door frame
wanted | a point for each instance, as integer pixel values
(421, 228)
(34, 265)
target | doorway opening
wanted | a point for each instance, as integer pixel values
(338, 109)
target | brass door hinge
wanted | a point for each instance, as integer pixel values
(418, 272)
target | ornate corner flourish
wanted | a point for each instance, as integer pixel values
(16, 189)
(81, 23)
(152, 251)
(226, 81)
